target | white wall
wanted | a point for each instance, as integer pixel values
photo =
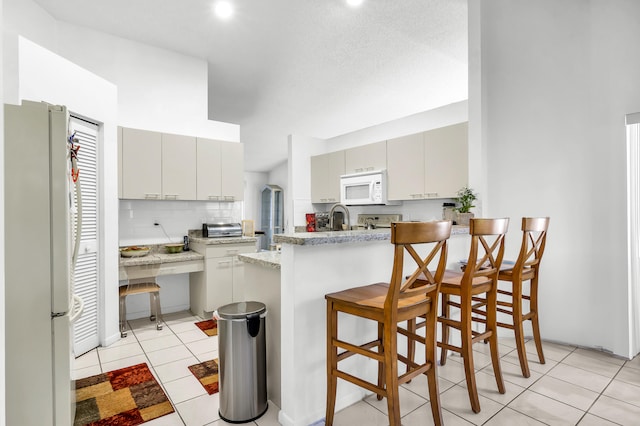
(555, 82)
(157, 89)
(137, 218)
(26, 18)
(46, 76)
(300, 151)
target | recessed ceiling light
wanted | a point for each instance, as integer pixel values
(223, 9)
(355, 3)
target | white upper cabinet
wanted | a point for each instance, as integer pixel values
(431, 164)
(178, 167)
(366, 158)
(220, 170)
(446, 161)
(232, 169)
(161, 166)
(405, 167)
(208, 170)
(141, 164)
(326, 170)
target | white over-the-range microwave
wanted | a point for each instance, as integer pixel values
(366, 188)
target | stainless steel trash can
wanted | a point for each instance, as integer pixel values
(243, 363)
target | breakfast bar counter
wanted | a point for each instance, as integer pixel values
(315, 264)
(354, 236)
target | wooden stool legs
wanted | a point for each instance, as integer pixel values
(332, 362)
(154, 303)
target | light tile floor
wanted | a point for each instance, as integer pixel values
(575, 386)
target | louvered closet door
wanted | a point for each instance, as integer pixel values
(86, 281)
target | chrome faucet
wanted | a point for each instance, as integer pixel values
(346, 210)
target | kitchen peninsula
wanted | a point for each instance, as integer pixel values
(262, 284)
(312, 265)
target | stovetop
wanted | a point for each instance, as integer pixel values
(378, 220)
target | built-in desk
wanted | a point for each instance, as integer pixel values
(155, 264)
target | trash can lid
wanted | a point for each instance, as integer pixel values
(241, 309)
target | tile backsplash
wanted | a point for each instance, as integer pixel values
(137, 218)
(415, 210)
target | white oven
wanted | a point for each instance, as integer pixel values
(367, 188)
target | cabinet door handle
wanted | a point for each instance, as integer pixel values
(213, 197)
(170, 196)
(151, 196)
(431, 194)
(231, 252)
(228, 198)
(224, 263)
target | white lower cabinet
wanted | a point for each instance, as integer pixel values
(222, 281)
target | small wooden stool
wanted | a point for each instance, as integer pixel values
(139, 287)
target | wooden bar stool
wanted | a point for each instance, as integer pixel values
(480, 278)
(140, 286)
(389, 304)
(526, 268)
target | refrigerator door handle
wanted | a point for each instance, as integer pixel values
(75, 314)
(78, 224)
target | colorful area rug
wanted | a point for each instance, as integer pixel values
(209, 327)
(207, 374)
(125, 397)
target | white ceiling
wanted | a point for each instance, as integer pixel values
(310, 67)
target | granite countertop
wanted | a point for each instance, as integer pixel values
(340, 237)
(269, 259)
(158, 255)
(223, 240)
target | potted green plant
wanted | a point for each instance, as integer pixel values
(465, 200)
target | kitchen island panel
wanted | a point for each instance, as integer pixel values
(262, 284)
(308, 272)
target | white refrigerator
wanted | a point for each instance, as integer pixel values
(40, 228)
